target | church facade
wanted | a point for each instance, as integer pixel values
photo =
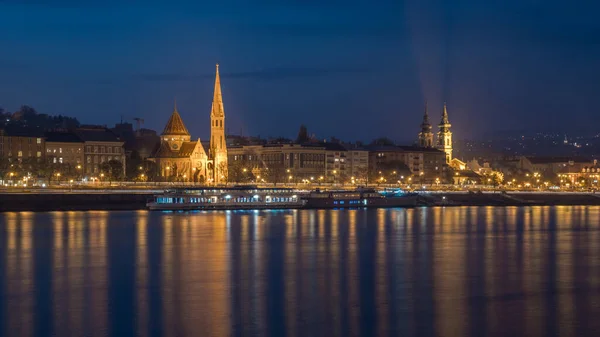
(181, 159)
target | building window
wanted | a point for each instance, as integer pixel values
(20, 154)
(39, 141)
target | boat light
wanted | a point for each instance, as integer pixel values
(228, 197)
(256, 196)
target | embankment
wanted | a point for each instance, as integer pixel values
(41, 202)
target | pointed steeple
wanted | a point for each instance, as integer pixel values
(217, 105)
(445, 115)
(426, 125)
(175, 124)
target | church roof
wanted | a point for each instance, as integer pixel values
(175, 125)
(186, 150)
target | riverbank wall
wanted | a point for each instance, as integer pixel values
(110, 200)
(43, 202)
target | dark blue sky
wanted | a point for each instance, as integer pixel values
(354, 69)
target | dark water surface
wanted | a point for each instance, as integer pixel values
(469, 271)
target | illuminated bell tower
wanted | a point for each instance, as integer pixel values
(426, 136)
(218, 146)
(444, 136)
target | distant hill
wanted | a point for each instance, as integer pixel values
(29, 117)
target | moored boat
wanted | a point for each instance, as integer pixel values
(227, 198)
(360, 198)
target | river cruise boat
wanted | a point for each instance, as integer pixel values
(226, 198)
(361, 197)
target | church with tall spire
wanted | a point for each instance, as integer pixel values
(180, 159)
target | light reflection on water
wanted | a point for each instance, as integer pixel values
(466, 271)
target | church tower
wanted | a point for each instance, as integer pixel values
(426, 136)
(218, 146)
(444, 136)
(175, 133)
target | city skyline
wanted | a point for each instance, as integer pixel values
(499, 66)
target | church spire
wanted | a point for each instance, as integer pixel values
(426, 136)
(445, 115)
(217, 105)
(444, 141)
(426, 124)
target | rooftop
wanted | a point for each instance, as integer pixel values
(62, 137)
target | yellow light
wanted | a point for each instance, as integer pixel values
(101, 175)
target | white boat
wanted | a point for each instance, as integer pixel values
(226, 198)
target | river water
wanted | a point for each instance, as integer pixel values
(464, 271)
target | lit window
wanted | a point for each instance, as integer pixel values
(39, 141)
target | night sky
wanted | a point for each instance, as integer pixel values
(351, 69)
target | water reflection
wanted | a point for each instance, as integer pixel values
(465, 271)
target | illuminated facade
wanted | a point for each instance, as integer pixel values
(181, 159)
(320, 162)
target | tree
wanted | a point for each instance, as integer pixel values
(302, 135)
(112, 169)
(389, 172)
(238, 173)
(275, 174)
(382, 141)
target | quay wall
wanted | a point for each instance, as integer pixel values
(42, 202)
(127, 200)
